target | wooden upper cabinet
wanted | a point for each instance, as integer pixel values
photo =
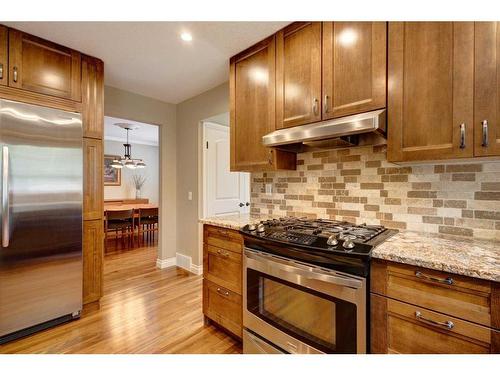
(431, 87)
(298, 74)
(93, 97)
(41, 66)
(487, 89)
(252, 112)
(4, 55)
(354, 67)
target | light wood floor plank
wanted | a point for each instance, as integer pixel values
(143, 310)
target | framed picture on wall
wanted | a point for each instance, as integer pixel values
(112, 176)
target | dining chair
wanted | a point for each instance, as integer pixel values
(122, 223)
(147, 224)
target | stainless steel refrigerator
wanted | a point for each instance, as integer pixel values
(41, 218)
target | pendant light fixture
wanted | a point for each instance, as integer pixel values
(127, 161)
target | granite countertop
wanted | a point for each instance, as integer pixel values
(462, 256)
(235, 222)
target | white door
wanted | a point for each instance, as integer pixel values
(226, 192)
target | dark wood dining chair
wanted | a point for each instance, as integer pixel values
(147, 224)
(122, 223)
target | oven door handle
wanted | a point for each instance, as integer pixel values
(303, 270)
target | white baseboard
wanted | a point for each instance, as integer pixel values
(182, 261)
(197, 270)
(165, 263)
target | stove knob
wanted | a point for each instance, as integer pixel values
(348, 244)
(252, 227)
(261, 228)
(332, 240)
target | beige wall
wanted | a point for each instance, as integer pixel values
(126, 189)
(189, 115)
(127, 105)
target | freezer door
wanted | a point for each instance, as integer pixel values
(41, 215)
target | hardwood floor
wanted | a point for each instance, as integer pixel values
(143, 310)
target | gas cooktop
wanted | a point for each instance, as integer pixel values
(332, 244)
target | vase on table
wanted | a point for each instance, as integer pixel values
(137, 193)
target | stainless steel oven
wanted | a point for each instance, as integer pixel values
(294, 307)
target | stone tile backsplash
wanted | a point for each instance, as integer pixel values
(359, 185)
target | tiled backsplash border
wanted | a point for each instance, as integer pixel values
(361, 186)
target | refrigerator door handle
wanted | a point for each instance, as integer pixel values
(5, 196)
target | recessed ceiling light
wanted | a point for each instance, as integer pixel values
(186, 37)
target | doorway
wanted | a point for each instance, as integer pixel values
(131, 185)
(224, 192)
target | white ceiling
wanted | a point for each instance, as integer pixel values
(149, 58)
(145, 134)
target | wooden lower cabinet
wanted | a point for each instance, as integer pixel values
(417, 310)
(399, 327)
(222, 277)
(93, 250)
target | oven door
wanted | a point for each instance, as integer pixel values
(302, 308)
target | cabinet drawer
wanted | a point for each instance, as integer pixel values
(223, 238)
(455, 295)
(222, 306)
(414, 330)
(222, 267)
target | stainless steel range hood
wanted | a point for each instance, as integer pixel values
(356, 130)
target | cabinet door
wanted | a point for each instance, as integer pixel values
(431, 87)
(93, 164)
(93, 246)
(298, 74)
(4, 56)
(44, 67)
(487, 89)
(93, 97)
(252, 114)
(354, 67)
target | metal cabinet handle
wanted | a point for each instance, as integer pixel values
(14, 74)
(222, 292)
(462, 135)
(241, 204)
(325, 104)
(270, 157)
(1, 71)
(315, 106)
(448, 324)
(485, 133)
(247, 204)
(224, 254)
(5, 197)
(447, 281)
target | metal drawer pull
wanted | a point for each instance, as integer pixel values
(222, 292)
(448, 324)
(447, 281)
(1, 71)
(224, 254)
(223, 232)
(462, 135)
(14, 75)
(270, 157)
(485, 133)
